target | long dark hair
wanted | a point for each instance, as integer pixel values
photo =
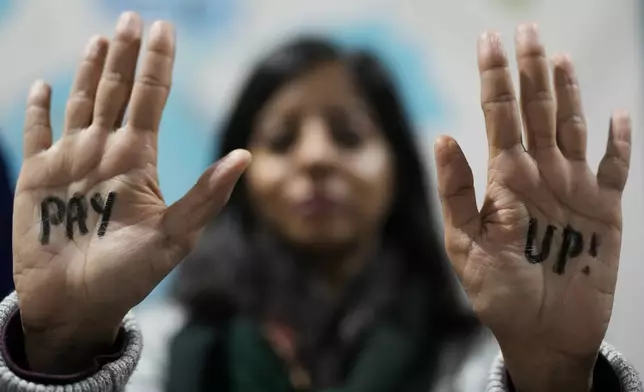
(239, 268)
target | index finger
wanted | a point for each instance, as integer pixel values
(152, 85)
(498, 100)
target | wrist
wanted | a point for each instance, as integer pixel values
(538, 371)
(66, 351)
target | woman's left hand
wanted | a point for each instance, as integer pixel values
(539, 260)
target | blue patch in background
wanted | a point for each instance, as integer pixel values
(6, 8)
(200, 18)
(405, 61)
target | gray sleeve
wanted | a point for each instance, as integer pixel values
(627, 375)
(112, 377)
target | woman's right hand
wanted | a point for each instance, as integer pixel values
(92, 234)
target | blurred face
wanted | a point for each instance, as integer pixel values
(322, 172)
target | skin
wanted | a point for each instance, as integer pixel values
(322, 172)
(74, 293)
(322, 177)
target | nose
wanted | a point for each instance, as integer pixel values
(315, 150)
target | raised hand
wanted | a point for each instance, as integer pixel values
(92, 234)
(539, 260)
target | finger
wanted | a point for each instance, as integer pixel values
(537, 100)
(498, 101)
(571, 123)
(37, 132)
(613, 168)
(80, 105)
(153, 82)
(456, 187)
(193, 211)
(116, 81)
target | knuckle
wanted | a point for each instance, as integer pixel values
(153, 81)
(541, 95)
(116, 77)
(572, 120)
(493, 102)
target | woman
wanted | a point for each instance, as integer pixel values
(328, 235)
(538, 272)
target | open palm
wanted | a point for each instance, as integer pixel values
(92, 234)
(539, 260)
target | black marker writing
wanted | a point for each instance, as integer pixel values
(104, 209)
(594, 244)
(54, 211)
(97, 203)
(545, 243)
(76, 214)
(572, 246)
(48, 219)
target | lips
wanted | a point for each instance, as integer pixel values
(318, 205)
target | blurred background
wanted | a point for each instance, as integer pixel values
(430, 45)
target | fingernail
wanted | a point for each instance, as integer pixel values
(442, 142)
(157, 27)
(93, 47)
(622, 114)
(566, 57)
(127, 21)
(230, 160)
(242, 154)
(39, 93)
(562, 60)
(490, 45)
(445, 150)
(528, 28)
(622, 117)
(490, 37)
(490, 50)
(235, 156)
(528, 32)
(39, 89)
(36, 86)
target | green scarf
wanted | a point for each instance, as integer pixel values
(237, 358)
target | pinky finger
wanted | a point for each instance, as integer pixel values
(613, 168)
(37, 132)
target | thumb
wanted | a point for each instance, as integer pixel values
(184, 219)
(456, 191)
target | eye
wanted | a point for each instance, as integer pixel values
(343, 129)
(285, 135)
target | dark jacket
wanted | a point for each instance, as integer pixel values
(6, 213)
